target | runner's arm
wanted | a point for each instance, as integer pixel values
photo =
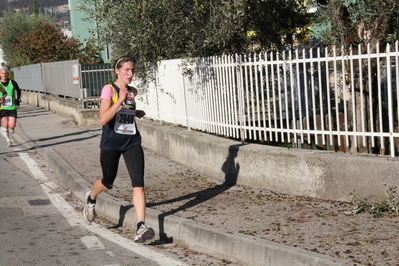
(4, 93)
(17, 89)
(108, 110)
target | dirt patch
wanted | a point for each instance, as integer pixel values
(311, 224)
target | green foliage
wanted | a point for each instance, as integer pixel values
(359, 21)
(14, 25)
(153, 30)
(29, 39)
(375, 208)
(89, 53)
(35, 8)
(46, 43)
(276, 22)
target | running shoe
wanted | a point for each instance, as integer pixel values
(12, 130)
(9, 143)
(144, 233)
(89, 211)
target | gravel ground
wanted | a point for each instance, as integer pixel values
(311, 224)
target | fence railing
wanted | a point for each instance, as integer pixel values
(54, 78)
(94, 77)
(322, 98)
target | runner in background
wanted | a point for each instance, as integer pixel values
(9, 105)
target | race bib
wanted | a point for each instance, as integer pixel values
(125, 121)
(7, 101)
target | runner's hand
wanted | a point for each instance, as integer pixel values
(140, 113)
(122, 94)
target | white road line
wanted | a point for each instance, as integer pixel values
(76, 219)
(92, 242)
(112, 254)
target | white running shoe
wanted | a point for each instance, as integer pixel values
(144, 233)
(89, 210)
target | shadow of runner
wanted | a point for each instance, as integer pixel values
(122, 214)
(231, 171)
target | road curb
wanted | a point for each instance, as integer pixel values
(239, 248)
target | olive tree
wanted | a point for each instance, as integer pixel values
(348, 23)
(152, 30)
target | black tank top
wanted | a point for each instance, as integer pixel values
(110, 140)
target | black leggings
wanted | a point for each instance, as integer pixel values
(134, 160)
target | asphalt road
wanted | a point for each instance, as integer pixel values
(39, 227)
(41, 223)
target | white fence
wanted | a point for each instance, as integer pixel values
(318, 98)
(327, 99)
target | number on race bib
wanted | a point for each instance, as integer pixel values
(125, 122)
(126, 119)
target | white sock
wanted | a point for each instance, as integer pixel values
(5, 133)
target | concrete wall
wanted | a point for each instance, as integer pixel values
(321, 174)
(65, 106)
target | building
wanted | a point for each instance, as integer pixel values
(81, 29)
